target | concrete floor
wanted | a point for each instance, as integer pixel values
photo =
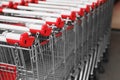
(112, 68)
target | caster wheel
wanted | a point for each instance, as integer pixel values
(101, 68)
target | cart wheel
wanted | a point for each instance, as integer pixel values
(101, 68)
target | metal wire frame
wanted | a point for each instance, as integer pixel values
(55, 59)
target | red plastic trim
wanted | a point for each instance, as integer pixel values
(58, 34)
(72, 16)
(87, 8)
(10, 4)
(81, 12)
(97, 3)
(12, 41)
(7, 72)
(43, 0)
(4, 5)
(59, 23)
(15, 6)
(44, 42)
(70, 27)
(30, 1)
(16, 24)
(26, 4)
(35, 1)
(22, 2)
(1, 10)
(94, 4)
(25, 40)
(45, 31)
(102, 1)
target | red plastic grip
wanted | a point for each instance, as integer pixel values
(87, 8)
(45, 30)
(31, 1)
(81, 12)
(59, 23)
(72, 16)
(1, 10)
(36, 1)
(22, 2)
(15, 6)
(26, 4)
(25, 40)
(94, 4)
(7, 72)
(102, 1)
(9, 5)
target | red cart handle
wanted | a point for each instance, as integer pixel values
(44, 31)
(72, 16)
(59, 23)
(24, 41)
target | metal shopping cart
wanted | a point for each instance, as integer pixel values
(68, 39)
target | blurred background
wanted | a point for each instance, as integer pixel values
(116, 15)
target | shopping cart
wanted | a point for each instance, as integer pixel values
(69, 39)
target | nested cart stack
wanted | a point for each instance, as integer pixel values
(53, 40)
